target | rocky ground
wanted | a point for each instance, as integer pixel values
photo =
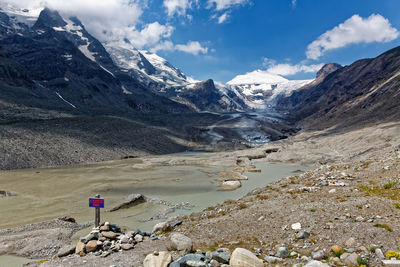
(344, 212)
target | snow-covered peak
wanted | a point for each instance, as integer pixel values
(257, 77)
(25, 16)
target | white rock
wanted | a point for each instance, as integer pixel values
(332, 191)
(391, 263)
(160, 227)
(162, 259)
(243, 258)
(314, 263)
(351, 242)
(296, 226)
(379, 253)
(231, 185)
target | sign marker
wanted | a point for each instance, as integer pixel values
(96, 203)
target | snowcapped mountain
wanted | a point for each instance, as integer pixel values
(52, 62)
(260, 89)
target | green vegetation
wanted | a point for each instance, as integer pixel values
(390, 185)
(384, 226)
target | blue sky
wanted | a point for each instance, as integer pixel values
(275, 29)
(220, 39)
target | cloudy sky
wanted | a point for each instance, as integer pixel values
(220, 39)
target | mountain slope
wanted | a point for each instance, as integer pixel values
(68, 69)
(362, 93)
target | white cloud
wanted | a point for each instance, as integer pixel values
(178, 7)
(294, 3)
(286, 69)
(192, 47)
(354, 30)
(225, 4)
(223, 17)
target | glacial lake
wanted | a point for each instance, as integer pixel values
(44, 194)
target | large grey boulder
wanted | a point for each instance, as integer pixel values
(191, 260)
(180, 243)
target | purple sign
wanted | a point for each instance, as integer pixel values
(96, 202)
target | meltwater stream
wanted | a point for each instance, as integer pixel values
(44, 194)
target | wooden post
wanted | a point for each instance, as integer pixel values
(97, 214)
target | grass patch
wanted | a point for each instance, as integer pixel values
(384, 226)
(389, 185)
(373, 249)
(393, 194)
(362, 261)
(397, 205)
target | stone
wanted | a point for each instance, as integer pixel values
(296, 226)
(272, 259)
(123, 239)
(391, 263)
(360, 219)
(293, 254)
(130, 201)
(115, 228)
(192, 263)
(214, 263)
(231, 185)
(163, 259)
(221, 256)
(91, 246)
(332, 191)
(315, 263)
(350, 260)
(176, 223)
(242, 258)
(65, 251)
(302, 235)
(318, 255)
(283, 252)
(336, 261)
(379, 254)
(180, 243)
(192, 258)
(337, 249)
(89, 237)
(351, 242)
(161, 227)
(105, 228)
(126, 246)
(109, 235)
(138, 238)
(80, 248)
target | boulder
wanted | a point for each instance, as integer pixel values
(350, 259)
(303, 235)
(351, 242)
(221, 256)
(243, 258)
(315, 263)
(130, 201)
(391, 263)
(91, 246)
(272, 259)
(127, 246)
(296, 226)
(80, 248)
(138, 238)
(379, 254)
(161, 227)
(109, 234)
(282, 252)
(65, 251)
(123, 239)
(318, 255)
(160, 259)
(193, 259)
(180, 243)
(231, 185)
(336, 249)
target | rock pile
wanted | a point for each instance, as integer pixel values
(107, 239)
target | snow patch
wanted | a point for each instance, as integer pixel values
(69, 103)
(125, 91)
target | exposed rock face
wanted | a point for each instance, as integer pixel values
(131, 200)
(363, 92)
(242, 258)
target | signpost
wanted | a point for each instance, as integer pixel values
(96, 203)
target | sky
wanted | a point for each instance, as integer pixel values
(220, 39)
